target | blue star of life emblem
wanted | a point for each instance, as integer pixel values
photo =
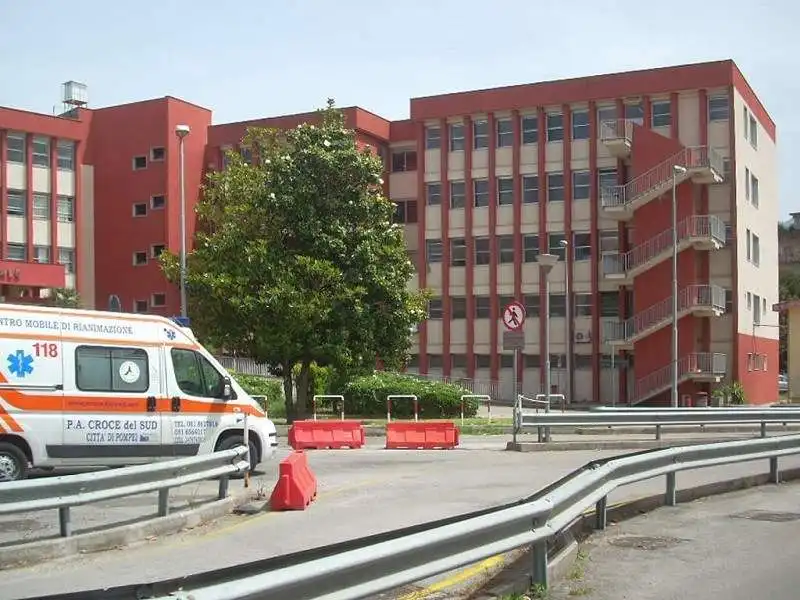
(20, 364)
(170, 333)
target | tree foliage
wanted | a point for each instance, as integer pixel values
(789, 290)
(64, 298)
(296, 258)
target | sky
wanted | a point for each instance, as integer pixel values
(251, 58)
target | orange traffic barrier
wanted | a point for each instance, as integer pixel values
(306, 435)
(426, 435)
(297, 484)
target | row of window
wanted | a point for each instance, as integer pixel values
(660, 116)
(16, 151)
(758, 305)
(582, 305)
(17, 202)
(157, 300)
(580, 248)
(157, 154)
(157, 202)
(41, 254)
(140, 257)
(530, 361)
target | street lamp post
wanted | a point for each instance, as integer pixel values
(182, 131)
(676, 169)
(568, 329)
(546, 264)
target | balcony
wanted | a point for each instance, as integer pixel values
(702, 232)
(617, 135)
(698, 366)
(697, 300)
(703, 166)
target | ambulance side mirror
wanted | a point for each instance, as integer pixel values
(227, 389)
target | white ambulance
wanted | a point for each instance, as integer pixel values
(91, 388)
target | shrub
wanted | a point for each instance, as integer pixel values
(272, 389)
(366, 397)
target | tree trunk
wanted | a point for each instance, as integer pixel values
(288, 394)
(303, 383)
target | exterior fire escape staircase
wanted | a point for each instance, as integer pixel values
(703, 232)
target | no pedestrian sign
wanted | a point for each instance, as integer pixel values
(514, 316)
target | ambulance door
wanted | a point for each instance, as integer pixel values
(111, 402)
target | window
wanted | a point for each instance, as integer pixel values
(555, 187)
(41, 151)
(581, 246)
(102, 369)
(505, 246)
(555, 246)
(505, 133)
(41, 206)
(15, 147)
(433, 138)
(756, 250)
(17, 252)
(749, 301)
(433, 251)
(157, 154)
(435, 309)
(458, 361)
(532, 305)
(745, 120)
(482, 250)
(506, 361)
(456, 137)
(139, 258)
(404, 160)
(607, 114)
(558, 305)
(483, 361)
(433, 194)
(195, 375)
(247, 154)
(458, 307)
(609, 241)
(555, 127)
(728, 301)
(753, 132)
(530, 129)
(532, 361)
(505, 191)
(530, 248)
(409, 208)
(609, 304)
(661, 113)
(754, 190)
(482, 307)
(480, 134)
(583, 305)
(457, 194)
(635, 112)
(66, 257)
(581, 185)
(726, 168)
(530, 189)
(158, 202)
(718, 108)
(158, 299)
(747, 184)
(580, 124)
(65, 150)
(16, 203)
(41, 254)
(435, 361)
(140, 209)
(607, 178)
(139, 163)
(480, 193)
(156, 250)
(749, 254)
(756, 309)
(458, 252)
(66, 209)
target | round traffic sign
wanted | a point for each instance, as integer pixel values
(514, 316)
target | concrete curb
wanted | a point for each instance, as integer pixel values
(516, 577)
(21, 555)
(612, 444)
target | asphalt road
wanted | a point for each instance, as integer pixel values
(739, 546)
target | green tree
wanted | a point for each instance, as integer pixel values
(64, 298)
(789, 290)
(296, 258)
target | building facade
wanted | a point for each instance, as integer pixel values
(485, 181)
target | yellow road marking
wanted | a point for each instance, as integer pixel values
(457, 578)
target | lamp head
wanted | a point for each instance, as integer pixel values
(546, 261)
(182, 131)
(678, 169)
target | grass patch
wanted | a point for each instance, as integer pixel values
(472, 426)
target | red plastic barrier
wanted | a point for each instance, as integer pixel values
(304, 435)
(297, 484)
(426, 435)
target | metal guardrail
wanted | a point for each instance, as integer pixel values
(67, 491)
(621, 417)
(369, 566)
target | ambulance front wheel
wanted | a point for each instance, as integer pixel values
(238, 440)
(13, 463)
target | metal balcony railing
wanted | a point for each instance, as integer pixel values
(658, 177)
(691, 228)
(689, 298)
(616, 129)
(691, 365)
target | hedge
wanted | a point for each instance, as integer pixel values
(366, 397)
(255, 385)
